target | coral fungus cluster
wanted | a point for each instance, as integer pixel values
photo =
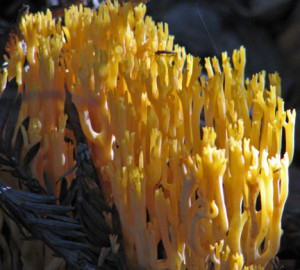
(203, 195)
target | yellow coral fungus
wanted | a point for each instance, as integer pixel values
(140, 112)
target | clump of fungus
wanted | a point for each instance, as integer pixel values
(212, 194)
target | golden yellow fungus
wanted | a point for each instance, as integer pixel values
(141, 115)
